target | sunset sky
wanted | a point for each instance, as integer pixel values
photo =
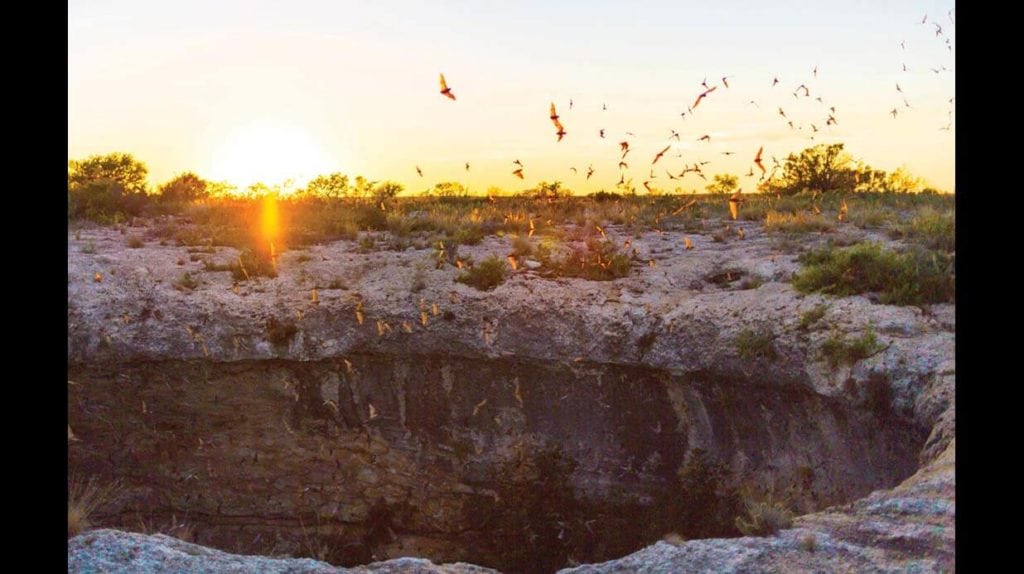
(268, 90)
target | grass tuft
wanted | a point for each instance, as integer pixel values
(797, 222)
(764, 518)
(751, 345)
(809, 318)
(597, 261)
(84, 498)
(914, 277)
(809, 543)
(837, 350)
(933, 229)
(187, 282)
(253, 264)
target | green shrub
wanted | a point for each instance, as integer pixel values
(839, 351)
(522, 246)
(485, 275)
(253, 264)
(186, 283)
(751, 345)
(597, 261)
(468, 235)
(367, 243)
(371, 217)
(914, 277)
(184, 188)
(103, 201)
(811, 317)
(932, 229)
(106, 188)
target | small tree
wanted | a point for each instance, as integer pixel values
(330, 186)
(259, 189)
(902, 181)
(723, 183)
(363, 187)
(449, 189)
(120, 168)
(184, 188)
(545, 190)
(822, 168)
(106, 187)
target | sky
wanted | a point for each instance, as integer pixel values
(269, 91)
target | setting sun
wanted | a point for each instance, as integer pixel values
(271, 153)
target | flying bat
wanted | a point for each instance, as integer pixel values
(660, 153)
(445, 90)
(734, 203)
(703, 94)
(561, 130)
(757, 161)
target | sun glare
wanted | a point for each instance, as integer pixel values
(269, 153)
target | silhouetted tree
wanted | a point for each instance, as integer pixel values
(723, 183)
(106, 187)
(330, 186)
(183, 188)
(120, 168)
(545, 190)
(449, 189)
(822, 168)
(363, 187)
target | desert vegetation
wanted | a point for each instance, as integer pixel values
(819, 191)
(912, 277)
(85, 497)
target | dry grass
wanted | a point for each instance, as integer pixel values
(180, 530)
(84, 498)
(798, 222)
(764, 517)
